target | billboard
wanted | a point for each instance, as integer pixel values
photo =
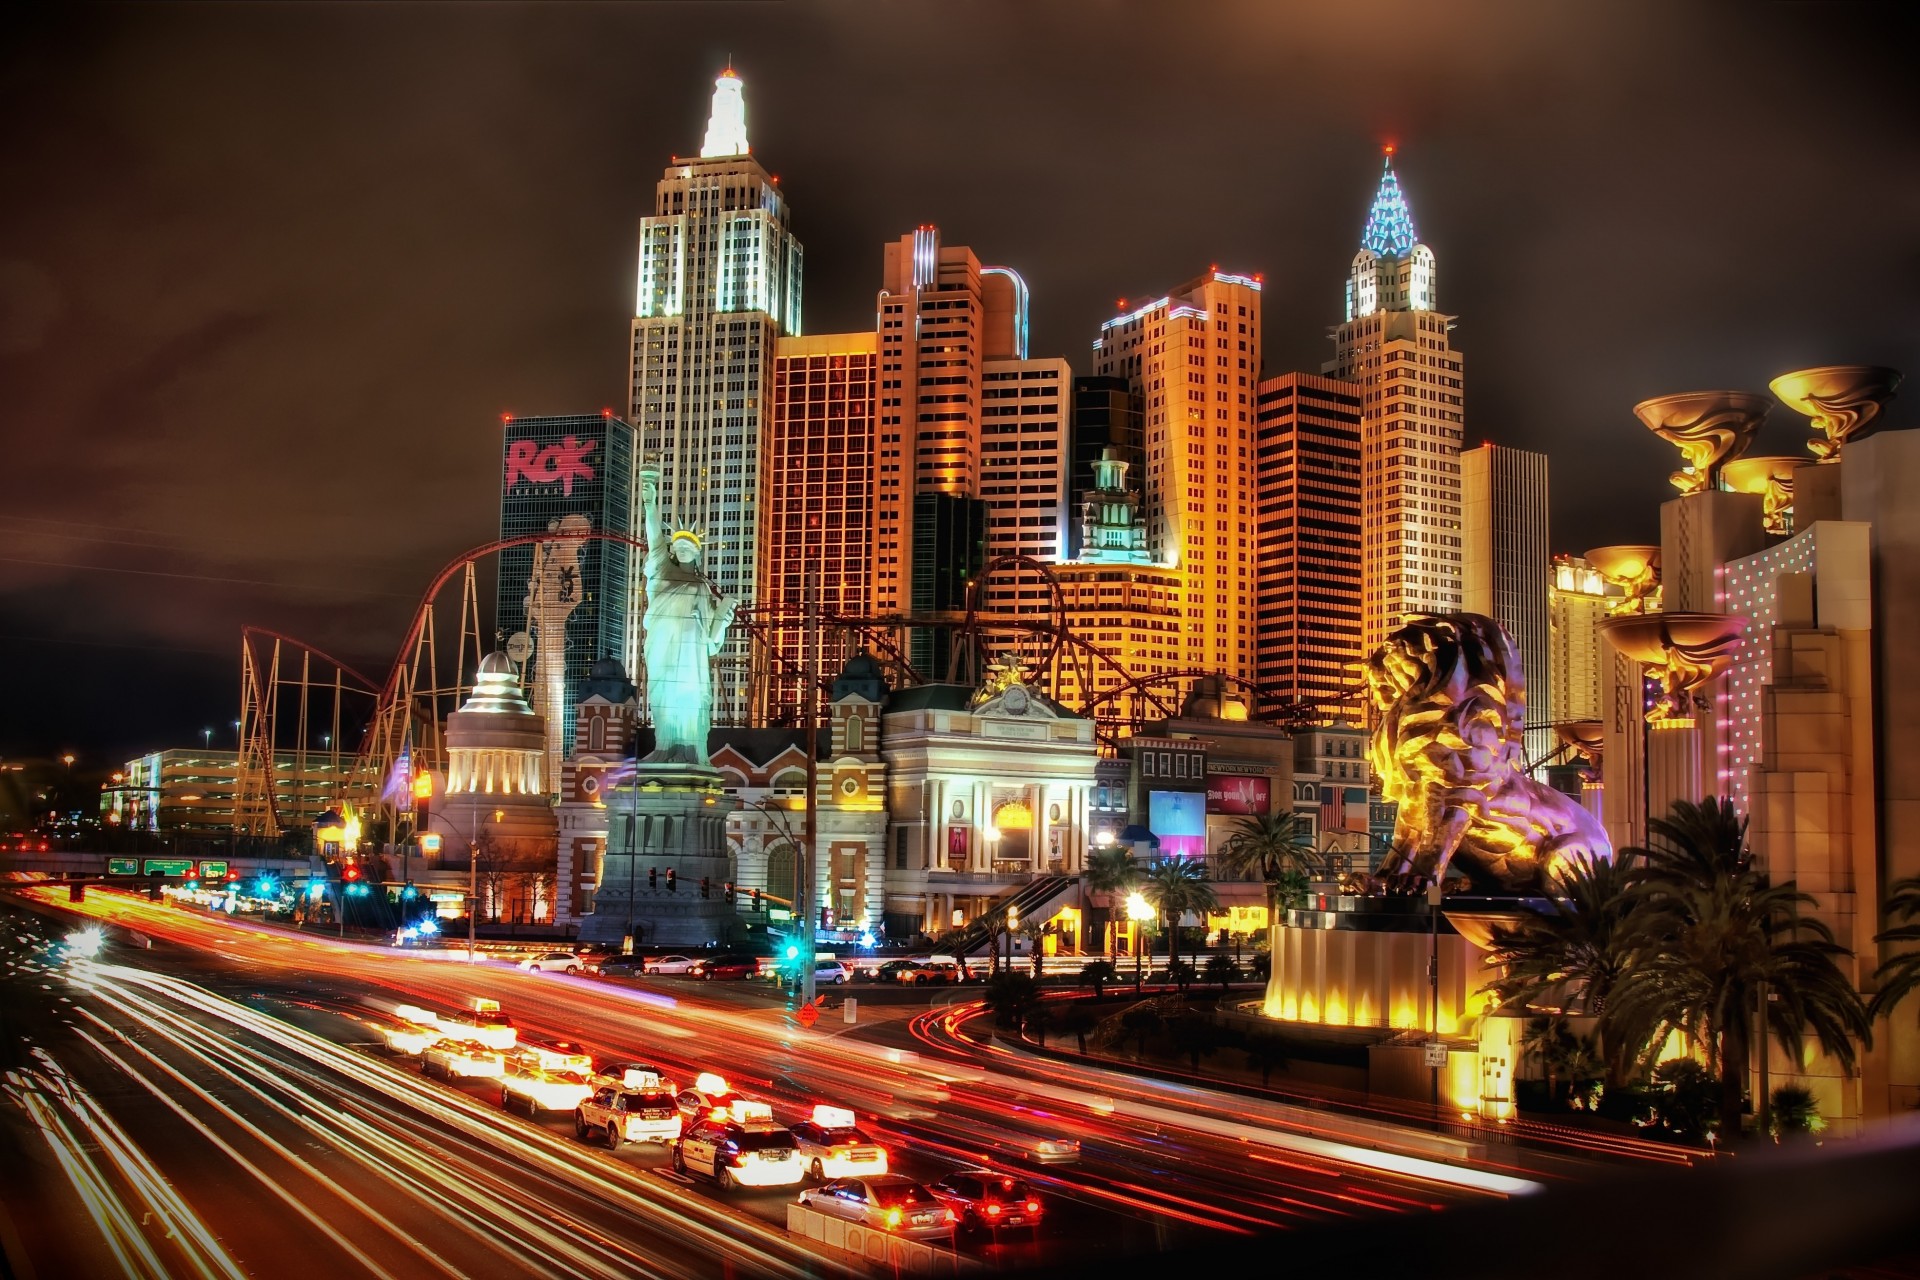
(1179, 819)
(1239, 794)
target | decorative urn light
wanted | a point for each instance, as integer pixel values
(1710, 428)
(1635, 570)
(1772, 479)
(1682, 651)
(1844, 401)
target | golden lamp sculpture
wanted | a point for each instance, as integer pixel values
(1710, 428)
(1681, 651)
(1587, 739)
(1772, 479)
(1635, 570)
(1844, 401)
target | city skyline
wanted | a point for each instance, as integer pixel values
(345, 576)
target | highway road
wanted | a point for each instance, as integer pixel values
(1160, 1165)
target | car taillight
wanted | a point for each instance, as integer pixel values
(952, 1216)
(1033, 1206)
(893, 1217)
(993, 1211)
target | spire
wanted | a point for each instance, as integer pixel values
(1389, 231)
(727, 124)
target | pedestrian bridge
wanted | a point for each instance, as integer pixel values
(136, 867)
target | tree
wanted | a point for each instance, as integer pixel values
(1899, 977)
(1265, 1051)
(1181, 973)
(1075, 1020)
(1546, 1039)
(1274, 848)
(1221, 969)
(1141, 1021)
(1794, 1114)
(1711, 935)
(1097, 974)
(1685, 1099)
(1010, 995)
(1039, 1021)
(1570, 956)
(1194, 1035)
(1176, 886)
(1113, 872)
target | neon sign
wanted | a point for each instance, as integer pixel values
(564, 462)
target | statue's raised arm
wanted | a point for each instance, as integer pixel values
(650, 522)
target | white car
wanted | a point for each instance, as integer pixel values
(832, 1146)
(831, 971)
(618, 1114)
(745, 1148)
(410, 1038)
(483, 1023)
(554, 962)
(462, 1059)
(672, 964)
(546, 1077)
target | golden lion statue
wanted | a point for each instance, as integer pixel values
(1451, 698)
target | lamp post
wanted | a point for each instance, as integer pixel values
(1139, 910)
(1434, 895)
(1013, 923)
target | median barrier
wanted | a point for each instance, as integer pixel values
(879, 1248)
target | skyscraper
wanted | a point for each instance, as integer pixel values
(1307, 544)
(942, 316)
(1192, 358)
(817, 517)
(1577, 602)
(1106, 415)
(568, 603)
(1400, 350)
(719, 283)
(1505, 562)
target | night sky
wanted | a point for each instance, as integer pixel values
(270, 274)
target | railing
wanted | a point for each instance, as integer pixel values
(985, 878)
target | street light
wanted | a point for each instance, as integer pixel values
(1139, 910)
(206, 736)
(1013, 923)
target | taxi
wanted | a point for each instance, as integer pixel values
(482, 1022)
(710, 1096)
(449, 1058)
(546, 1077)
(638, 1109)
(621, 1075)
(831, 1145)
(409, 1035)
(742, 1147)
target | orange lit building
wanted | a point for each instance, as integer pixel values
(816, 503)
(1193, 357)
(1308, 545)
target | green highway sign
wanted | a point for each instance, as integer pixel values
(123, 866)
(213, 870)
(169, 866)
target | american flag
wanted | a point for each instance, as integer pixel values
(1333, 810)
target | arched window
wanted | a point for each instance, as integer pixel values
(856, 733)
(597, 734)
(782, 872)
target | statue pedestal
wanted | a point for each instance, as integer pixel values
(672, 818)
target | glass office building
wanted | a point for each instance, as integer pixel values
(565, 603)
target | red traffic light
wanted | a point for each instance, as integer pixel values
(352, 872)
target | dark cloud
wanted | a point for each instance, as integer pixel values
(269, 274)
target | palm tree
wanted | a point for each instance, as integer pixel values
(1899, 977)
(1568, 958)
(1711, 933)
(1176, 886)
(1112, 871)
(1277, 849)
(1097, 974)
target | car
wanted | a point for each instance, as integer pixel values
(632, 1075)
(546, 1077)
(830, 971)
(1057, 1150)
(463, 1059)
(833, 1146)
(743, 1147)
(988, 1201)
(725, 966)
(886, 1202)
(710, 1094)
(933, 973)
(642, 1111)
(482, 1022)
(555, 962)
(623, 966)
(410, 1031)
(890, 970)
(674, 964)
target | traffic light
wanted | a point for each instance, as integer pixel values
(653, 877)
(193, 884)
(756, 899)
(422, 801)
(703, 887)
(351, 872)
(232, 875)
(729, 893)
(670, 880)
(153, 889)
(265, 888)
(76, 891)
(826, 918)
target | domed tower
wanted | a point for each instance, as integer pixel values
(496, 770)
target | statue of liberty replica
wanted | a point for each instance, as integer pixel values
(666, 823)
(686, 625)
